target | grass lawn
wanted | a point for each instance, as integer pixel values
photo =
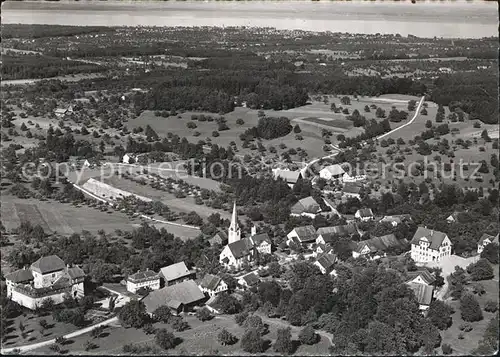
(200, 339)
(471, 339)
(33, 330)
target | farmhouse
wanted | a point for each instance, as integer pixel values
(396, 219)
(212, 285)
(175, 273)
(249, 280)
(377, 247)
(364, 214)
(424, 294)
(332, 172)
(290, 177)
(485, 240)
(304, 235)
(143, 279)
(429, 245)
(178, 297)
(326, 234)
(325, 263)
(47, 278)
(351, 190)
(60, 112)
(306, 207)
(323, 249)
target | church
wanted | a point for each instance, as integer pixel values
(240, 250)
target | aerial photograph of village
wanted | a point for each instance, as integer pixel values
(249, 178)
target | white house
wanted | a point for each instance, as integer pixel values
(326, 262)
(420, 277)
(128, 158)
(143, 279)
(60, 112)
(364, 214)
(332, 172)
(212, 285)
(304, 235)
(262, 243)
(47, 278)
(485, 240)
(429, 245)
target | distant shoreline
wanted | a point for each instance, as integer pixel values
(429, 19)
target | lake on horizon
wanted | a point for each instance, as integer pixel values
(441, 19)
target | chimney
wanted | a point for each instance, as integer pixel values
(432, 232)
(254, 230)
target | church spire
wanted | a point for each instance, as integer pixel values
(234, 229)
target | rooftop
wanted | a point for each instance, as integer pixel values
(174, 271)
(48, 264)
(186, 293)
(435, 237)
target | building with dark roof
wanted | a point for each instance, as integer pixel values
(48, 277)
(219, 238)
(325, 263)
(212, 285)
(306, 207)
(147, 279)
(262, 243)
(377, 247)
(178, 297)
(237, 253)
(429, 245)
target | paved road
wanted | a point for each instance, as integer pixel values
(417, 112)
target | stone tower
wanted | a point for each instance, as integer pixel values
(234, 233)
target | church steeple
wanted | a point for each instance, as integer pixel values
(234, 229)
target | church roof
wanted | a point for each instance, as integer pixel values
(241, 247)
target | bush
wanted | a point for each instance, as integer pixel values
(308, 336)
(283, 342)
(178, 324)
(490, 253)
(470, 309)
(491, 306)
(446, 348)
(204, 314)
(241, 318)
(215, 133)
(226, 338)
(466, 327)
(165, 339)
(252, 342)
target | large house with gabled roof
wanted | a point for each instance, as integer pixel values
(303, 235)
(147, 279)
(47, 278)
(429, 245)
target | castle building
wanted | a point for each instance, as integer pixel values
(47, 278)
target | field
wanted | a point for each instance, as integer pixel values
(34, 331)
(316, 112)
(62, 218)
(200, 339)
